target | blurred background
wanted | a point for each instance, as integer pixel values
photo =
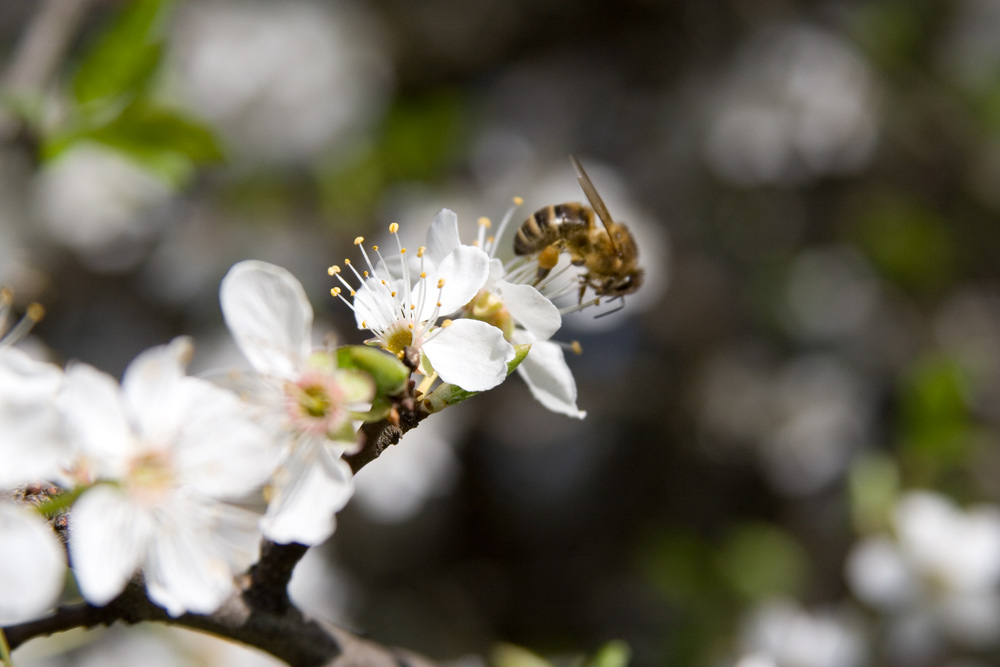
(790, 455)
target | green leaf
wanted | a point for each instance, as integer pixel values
(124, 59)
(760, 560)
(389, 373)
(509, 655)
(873, 484)
(449, 394)
(613, 654)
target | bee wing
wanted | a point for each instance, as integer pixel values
(595, 199)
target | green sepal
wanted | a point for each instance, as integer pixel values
(381, 407)
(449, 394)
(389, 373)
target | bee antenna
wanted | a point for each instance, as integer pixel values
(595, 200)
(609, 312)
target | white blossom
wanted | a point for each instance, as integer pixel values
(32, 565)
(523, 312)
(778, 633)
(168, 453)
(403, 312)
(31, 446)
(938, 574)
(305, 400)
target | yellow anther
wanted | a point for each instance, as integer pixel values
(392, 294)
(333, 270)
(364, 273)
(420, 251)
(36, 312)
(576, 347)
(423, 274)
(413, 306)
(438, 304)
(335, 291)
(402, 251)
(484, 222)
(353, 292)
(364, 324)
(446, 323)
(375, 248)
(490, 239)
(347, 261)
(359, 240)
(410, 325)
(440, 283)
(518, 201)
(393, 227)
(384, 282)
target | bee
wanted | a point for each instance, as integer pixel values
(607, 251)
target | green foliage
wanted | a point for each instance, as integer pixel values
(122, 63)
(908, 242)
(612, 654)
(873, 487)
(760, 560)
(936, 429)
(115, 102)
(417, 141)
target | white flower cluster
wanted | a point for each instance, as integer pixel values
(166, 474)
(492, 305)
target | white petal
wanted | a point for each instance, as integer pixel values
(879, 575)
(32, 446)
(308, 492)
(32, 565)
(185, 570)
(532, 311)
(464, 272)
(150, 388)
(470, 354)
(92, 404)
(269, 316)
(220, 452)
(550, 380)
(108, 540)
(442, 237)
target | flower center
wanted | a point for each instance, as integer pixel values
(398, 337)
(489, 308)
(314, 403)
(151, 477)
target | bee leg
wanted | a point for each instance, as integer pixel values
(547, 259)
(583, 290)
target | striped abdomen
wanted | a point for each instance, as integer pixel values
(550, 224)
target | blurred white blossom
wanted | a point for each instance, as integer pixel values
(168, 453)
(32, 564)
(100, 204)
(779, 633)
(936, 574)
(799, 102)
(281, 81)
(303, 398)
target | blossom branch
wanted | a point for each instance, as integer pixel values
(288, 635)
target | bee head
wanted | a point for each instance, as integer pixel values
(628, 283)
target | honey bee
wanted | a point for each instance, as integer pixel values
(608, 251)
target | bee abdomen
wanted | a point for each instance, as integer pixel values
(548, 225)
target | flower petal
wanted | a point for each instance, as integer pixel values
(470, 354)
(186, 570)
(150, 388)
(91, 402)
(535, 313)
(108, 540)
(464, 272)
(269, 316)
(32, 446)
(550, 380)
(32, 565)
(442, 237)
(310, 488)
